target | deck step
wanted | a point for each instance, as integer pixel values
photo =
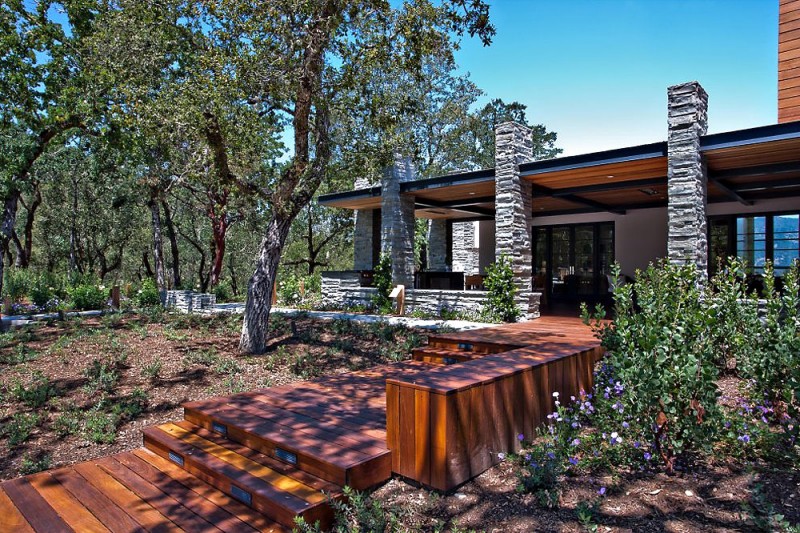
(313, 445)
(259, 482)
(442, 356)
(455, 344)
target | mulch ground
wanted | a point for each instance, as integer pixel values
(183, 358)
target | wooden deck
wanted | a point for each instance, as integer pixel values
(255, 461)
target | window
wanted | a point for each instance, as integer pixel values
(756, 239)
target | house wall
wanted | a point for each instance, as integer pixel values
(641, 234)
(633, 248)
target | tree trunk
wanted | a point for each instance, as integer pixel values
(7, 227)
(158, 253)
(173, 245)
(73, 229)
(255, 325)
(24, 250)
(232, 271)
(219, 229)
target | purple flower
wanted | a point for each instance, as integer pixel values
(744, 438)
(602, 491)
(573, 461)
(626, 425)
(551, 455)
(647, 456)
(636, 444)
(520, 437)
(576, 442)
(501, 456)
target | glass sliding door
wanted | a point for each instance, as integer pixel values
(571, 262)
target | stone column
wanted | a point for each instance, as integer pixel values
(362, 236)
(437, 245)
(465, 254)
(397, 221)
(513, 217)
(687, 180)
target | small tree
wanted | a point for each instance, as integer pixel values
(500, 303)
(382, 281)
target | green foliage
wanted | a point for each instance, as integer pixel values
(771, 361)
(35, 393)
(102, 375)
(20, 427)
(67, 423)
(33, 463)
(152, 370)
(223, 292)
(16, 284)
(148, 295)
(662, 353)
(356, 513)
(87, 297)
(382, 281)
(100, 426)
(500, 305)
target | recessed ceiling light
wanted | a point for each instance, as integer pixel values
(610, 176)
(472, 194)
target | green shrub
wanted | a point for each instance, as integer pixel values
(223, 291)
(35, 393)
(88, 297)
(67, 423)
(662, 356)
(771, 363)
(148, 295)
(152, 371)
(16, 284)
(100, 427)
(357, 512)
(101, 375)
(20, 427)
(500, 305)
(382, 281)
(32, 464)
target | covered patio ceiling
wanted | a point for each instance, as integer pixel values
(743, 166)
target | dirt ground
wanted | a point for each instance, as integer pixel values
(179, 358)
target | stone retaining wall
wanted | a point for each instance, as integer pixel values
(189, 301)
(341, 290)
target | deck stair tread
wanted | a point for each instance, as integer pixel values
(434, 355)
(131, 491)
(272, 492)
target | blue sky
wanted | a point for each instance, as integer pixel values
(597, 71)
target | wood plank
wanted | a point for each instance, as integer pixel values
(406, 448)
(393, 423)
(65, 504)
(37, 512)
(422, 413)
(219, 498)
(215, 514)
(135, 507)
(279, 481)
(11, 519)
(95, 501)
(438, 432)
(458, 423)
(160, 501)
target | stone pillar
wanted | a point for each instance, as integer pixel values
(465, 253)
(397, 221)
(437, 245)
(363, 235)
(513, 217)
(687, 180)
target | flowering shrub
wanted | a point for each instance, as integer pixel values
(88, 297)
(662, 349)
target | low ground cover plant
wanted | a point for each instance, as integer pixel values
(500, 303)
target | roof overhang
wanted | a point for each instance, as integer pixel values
(744, 166)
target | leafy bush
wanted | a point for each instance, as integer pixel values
(223, 292)
(771, 362)
(662, 351)
(148, 295)
(500, 305)
(357, 512)
(100, 427)
(289, 289)
(87, 297)
(101, 375)
(16, 284)
(382, 281)
(35, 392)
(20, 427)
(32, 464)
